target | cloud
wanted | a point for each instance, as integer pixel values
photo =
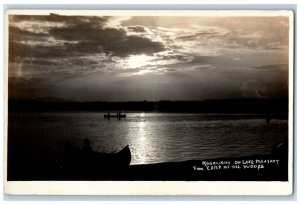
(161, 63)
(135, 45)
(275, 46)
(71, 45)
(113, 41)
(203, 32)
(79, 35)
(17, 34)
(269, 80)
(137, 29)
(21, 50)
(211, 56)
(116, 21)
(187, 63)
(273, 67)
(41, 24)
(266, 37)
(69, 20)
(251, 89)
(87, 32)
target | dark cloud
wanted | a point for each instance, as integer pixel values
(69, 20)
(82, 57)
(118, 47)
(183, 62)
(81, 61)
(138, 29)
(257, 41)
(201, 35)
(188, 37)
(172, 56)
(204, 59)
(17, 34)
(274, 46)
(112, 41)
(80, 35)
(136, 45)
(271, 67)
(18, 51)
(44, 61)
(205, 67)
(87, 32)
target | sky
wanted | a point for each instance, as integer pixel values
(133, 58)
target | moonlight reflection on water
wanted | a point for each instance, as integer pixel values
(152, 137)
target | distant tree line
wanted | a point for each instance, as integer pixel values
(278, 105)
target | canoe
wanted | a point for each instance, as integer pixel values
(90, 159)
(117, 159)
(115, 116)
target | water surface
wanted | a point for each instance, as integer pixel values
(152, 137)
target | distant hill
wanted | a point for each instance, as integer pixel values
(49, 99)
(243, 105)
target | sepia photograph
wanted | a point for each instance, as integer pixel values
(149, 96)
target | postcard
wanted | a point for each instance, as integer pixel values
(149, 102)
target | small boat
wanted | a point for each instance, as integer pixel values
(81, 158)
(117, 159)
(115, 116)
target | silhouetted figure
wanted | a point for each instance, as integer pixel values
(119, 115)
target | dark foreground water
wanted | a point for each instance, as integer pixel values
(37, 139)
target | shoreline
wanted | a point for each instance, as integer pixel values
(250, 168)
(273, 167)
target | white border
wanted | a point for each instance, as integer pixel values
(201, 13)
(147, 188)
(157, 187)
(158, 2)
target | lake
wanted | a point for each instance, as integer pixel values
(39, 138)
